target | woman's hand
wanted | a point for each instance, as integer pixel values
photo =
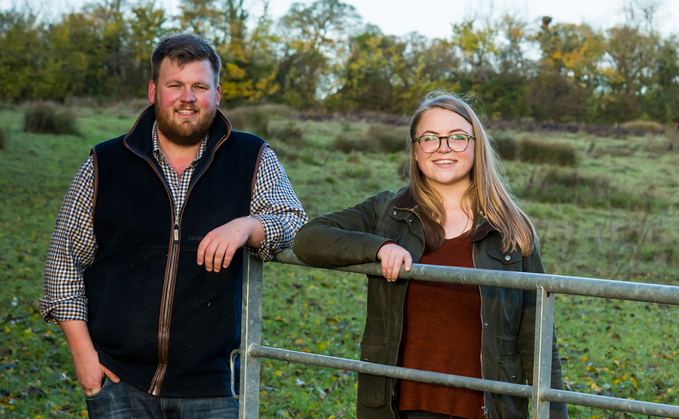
(393, 257)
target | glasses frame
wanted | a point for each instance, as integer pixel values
(440, 138)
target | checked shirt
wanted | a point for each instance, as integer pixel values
(74, 245)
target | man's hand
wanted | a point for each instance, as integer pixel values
(88, 370)
(218, 247)
(392, 257)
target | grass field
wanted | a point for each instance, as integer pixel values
(613, 216)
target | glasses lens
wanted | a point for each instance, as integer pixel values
(429, 143)
(457, 142)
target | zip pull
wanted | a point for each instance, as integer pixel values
(176, 233)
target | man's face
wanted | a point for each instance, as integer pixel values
(185, 101)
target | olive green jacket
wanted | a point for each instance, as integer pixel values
(354, 236)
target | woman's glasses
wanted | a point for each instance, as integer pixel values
(456, 142)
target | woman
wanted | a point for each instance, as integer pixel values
(456, 211)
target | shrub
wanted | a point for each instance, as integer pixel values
(391, 139)
(505, 147)
(347, 142)
(291, 135)
(672, 138)
(128, 108)
(569, 187)
(4, 139)
(313, 158)
(49, 118)
(354, 158)
(357, 172)
(640, 127)
(135, 106)
(273, 109)
(82, 102)
(252, 118)
(547, 153)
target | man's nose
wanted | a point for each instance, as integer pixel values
(187, 95)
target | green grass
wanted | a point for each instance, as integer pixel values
(623, 349)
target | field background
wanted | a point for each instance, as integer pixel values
(611, 213)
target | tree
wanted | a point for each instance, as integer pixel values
(515, 37)
(146, 29)
(477, 45)
(200, 17)
(661, 100)
(569, 72)
(21, 48)
(312, 38)
(249, 60)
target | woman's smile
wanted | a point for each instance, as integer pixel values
(444, 167)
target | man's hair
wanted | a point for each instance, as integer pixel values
(183, 49)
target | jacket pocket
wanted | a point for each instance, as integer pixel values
(509, 370)
(372, 389)
(507, 261)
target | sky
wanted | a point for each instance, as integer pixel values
(433, 18)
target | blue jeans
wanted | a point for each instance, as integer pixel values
(123, 401)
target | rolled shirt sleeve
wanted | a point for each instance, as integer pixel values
(276, 206)
(73, 245)
(72, 249)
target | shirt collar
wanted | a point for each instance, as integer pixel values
(158, 153)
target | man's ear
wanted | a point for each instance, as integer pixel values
(152, 93)
(218, 95)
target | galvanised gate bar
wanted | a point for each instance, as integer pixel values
(546, 285)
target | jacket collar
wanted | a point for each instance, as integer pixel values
(139, 137)
(404, 201)
(483, 228)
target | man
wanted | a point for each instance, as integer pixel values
(144, 270)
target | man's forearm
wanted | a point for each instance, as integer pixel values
(256, 233)
(78, 338)
(85, 358)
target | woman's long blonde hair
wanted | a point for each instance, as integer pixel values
(488, 192)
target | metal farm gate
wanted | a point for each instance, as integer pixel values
(546, 285)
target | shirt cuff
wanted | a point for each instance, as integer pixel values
(53, 311)
(277, 236)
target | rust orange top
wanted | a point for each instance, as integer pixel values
(442, 333)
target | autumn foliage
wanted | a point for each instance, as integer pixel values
(320, 56)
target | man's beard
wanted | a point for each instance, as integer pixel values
(183, 134)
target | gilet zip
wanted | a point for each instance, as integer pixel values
(170, 272)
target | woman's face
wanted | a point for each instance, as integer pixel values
(444, 167)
